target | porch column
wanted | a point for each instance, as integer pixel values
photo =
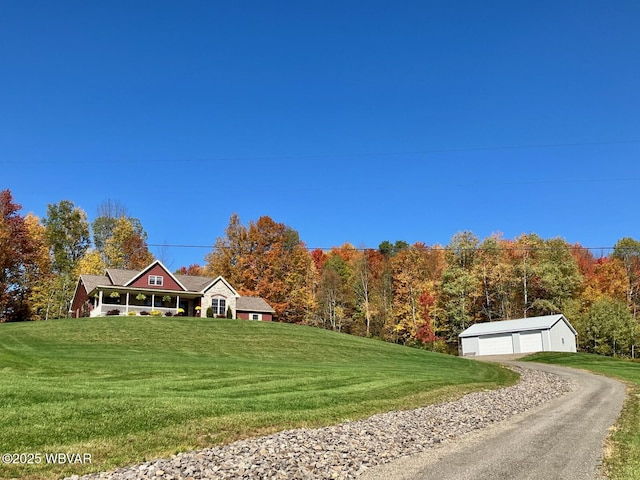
(153, 301)
(126, 308)
(99, 302)
(177, 303)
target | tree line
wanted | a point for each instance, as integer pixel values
(420, 295)
(41, 259)
(425, 295)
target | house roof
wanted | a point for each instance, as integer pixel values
(253, 304)
(193, 283)
(119, 276)
(92, 281)
(521, 324)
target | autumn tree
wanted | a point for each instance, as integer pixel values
(18, 256)
(91, 263)
(426, 332)
(105, 222)
(627, 250)
(367, 272)
(39, 274)
(337, 289)
(331, 294)
(231, 254)
(67, 231)
(416, 270)
(265, 259)
(525, 253)
(384, 287)
(608, 279)
(127, 246)
(193, 270)
(67, 234)
(459, 285)
(495, 274)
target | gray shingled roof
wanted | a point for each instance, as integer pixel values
(521, 324)
(253, 304)
(193, 283)
(121, 276)
(92, 281)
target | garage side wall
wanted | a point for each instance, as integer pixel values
(562, 338)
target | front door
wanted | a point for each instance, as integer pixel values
(184, 304)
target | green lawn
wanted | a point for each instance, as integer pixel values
(126, 389)
(624, 462)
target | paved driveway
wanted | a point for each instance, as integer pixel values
(561, 439)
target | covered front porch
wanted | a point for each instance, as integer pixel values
(107, 301)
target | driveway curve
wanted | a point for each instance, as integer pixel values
(561, 439)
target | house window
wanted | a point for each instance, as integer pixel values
(219, 306)
(255, 316)
(155, 280)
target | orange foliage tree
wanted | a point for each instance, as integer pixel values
(18, 259)
(265, 259)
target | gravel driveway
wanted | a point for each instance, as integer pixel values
(560, 439)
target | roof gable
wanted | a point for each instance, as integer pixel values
(522, 324)
(220, 279)
(156, 268)
(194, 283)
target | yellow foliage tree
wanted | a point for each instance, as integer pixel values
(90, 264)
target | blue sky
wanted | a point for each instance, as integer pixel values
(348, 121)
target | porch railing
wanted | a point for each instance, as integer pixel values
(102, 310)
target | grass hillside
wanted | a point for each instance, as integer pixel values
(624, 461)
(126, 389)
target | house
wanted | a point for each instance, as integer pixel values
(550, 333)
(156, 288)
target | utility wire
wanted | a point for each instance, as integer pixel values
(346, 155)
(431, 248)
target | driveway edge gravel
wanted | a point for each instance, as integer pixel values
(351, 449)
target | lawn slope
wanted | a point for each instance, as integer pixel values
(624, 460)
(126, 389)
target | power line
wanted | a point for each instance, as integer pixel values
(353, 154)
(431, 248)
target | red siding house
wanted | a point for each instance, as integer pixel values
(156, 288)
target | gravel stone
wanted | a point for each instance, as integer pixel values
(347, 450)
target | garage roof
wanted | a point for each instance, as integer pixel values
(521, 324)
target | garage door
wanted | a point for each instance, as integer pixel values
(495, 345)
(531, 342)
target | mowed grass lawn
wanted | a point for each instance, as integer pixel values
(624, 460)
(126, 389)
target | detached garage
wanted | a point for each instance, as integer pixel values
(551, 333)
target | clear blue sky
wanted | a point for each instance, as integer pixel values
(353, 121)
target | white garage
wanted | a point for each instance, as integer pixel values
(550, 333)
(495, 344)
(531, 342)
